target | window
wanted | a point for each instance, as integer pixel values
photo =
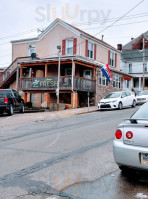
(31, 50)
(116, 81)
(69, 46)
(130, 68)
(87, 74)
(145, 67)
(102, 80)
(68, 72)
(112, 59)
(90, 53)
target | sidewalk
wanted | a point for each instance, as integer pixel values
(78, 111)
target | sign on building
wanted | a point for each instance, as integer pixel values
(44, 82)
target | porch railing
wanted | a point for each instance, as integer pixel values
(79, 84)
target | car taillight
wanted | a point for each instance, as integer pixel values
(6, 100)
(118, 134)
(129, 135)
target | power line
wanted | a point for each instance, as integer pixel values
(120, 17)
(113, 19)
(117, 25)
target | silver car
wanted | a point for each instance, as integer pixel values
(130, 146)
(142, 97)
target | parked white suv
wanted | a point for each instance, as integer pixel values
(117, 100)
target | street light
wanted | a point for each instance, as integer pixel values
(58, 84)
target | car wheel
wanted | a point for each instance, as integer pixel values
(120, 106)
(11, 111)
(22, 110)
(134, 104)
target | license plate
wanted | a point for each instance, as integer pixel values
(144, 158)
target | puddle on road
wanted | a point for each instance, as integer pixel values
(113, 186)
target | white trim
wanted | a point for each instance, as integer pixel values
(47, 30)
(101, 44)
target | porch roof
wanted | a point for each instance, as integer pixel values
(70, 59)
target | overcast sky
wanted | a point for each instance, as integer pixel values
(20, 19)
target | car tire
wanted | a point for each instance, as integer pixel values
(10, 111)
(123, 168)
(22, 110)
(120, 106)
(134, 104)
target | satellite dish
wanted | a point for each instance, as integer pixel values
(33, 55)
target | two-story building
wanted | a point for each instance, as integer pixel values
(135, 61)
(34, 68)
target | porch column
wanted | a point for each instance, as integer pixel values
(132, 83)
(139, 83)
(93, 74)
(46, 70)
(73, 73)
(47, 99)
(74, 100)
(24, 97)
(21, 71)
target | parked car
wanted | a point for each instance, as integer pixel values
(117, 100)
(142, 97)
(10, 100)
(130, 146)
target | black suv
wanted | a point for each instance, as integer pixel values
(10, 100)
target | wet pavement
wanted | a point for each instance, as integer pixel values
(64, 156)
(115, 185)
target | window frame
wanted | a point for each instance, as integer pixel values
(102, 79)
(66, 69)
(130, 68)
(89, 50)
(67, 40)
(117, 81)
(112, 58)
(30, 48)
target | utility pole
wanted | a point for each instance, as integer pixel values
(143, 63)
(58, 83)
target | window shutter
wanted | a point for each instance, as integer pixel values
(95, 51)
(109, 57)
(86, 48)
(63, 47)
(115, 59)
(75, 46)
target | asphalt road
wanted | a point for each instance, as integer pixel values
(44, 155)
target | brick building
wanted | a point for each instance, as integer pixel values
(82, 57)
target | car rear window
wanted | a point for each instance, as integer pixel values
(141, 113)
(6, 93)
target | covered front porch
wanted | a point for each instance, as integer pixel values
(38, 82)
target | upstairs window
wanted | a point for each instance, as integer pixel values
(90, 52)
(130, 68)
(31, 49)
(112, 59)
(69, 47)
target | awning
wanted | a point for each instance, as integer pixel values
(127, 78)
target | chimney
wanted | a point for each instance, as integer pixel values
(119, 47)
(102, 37)
(132, 38)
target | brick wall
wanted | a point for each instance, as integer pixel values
(102, 91)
